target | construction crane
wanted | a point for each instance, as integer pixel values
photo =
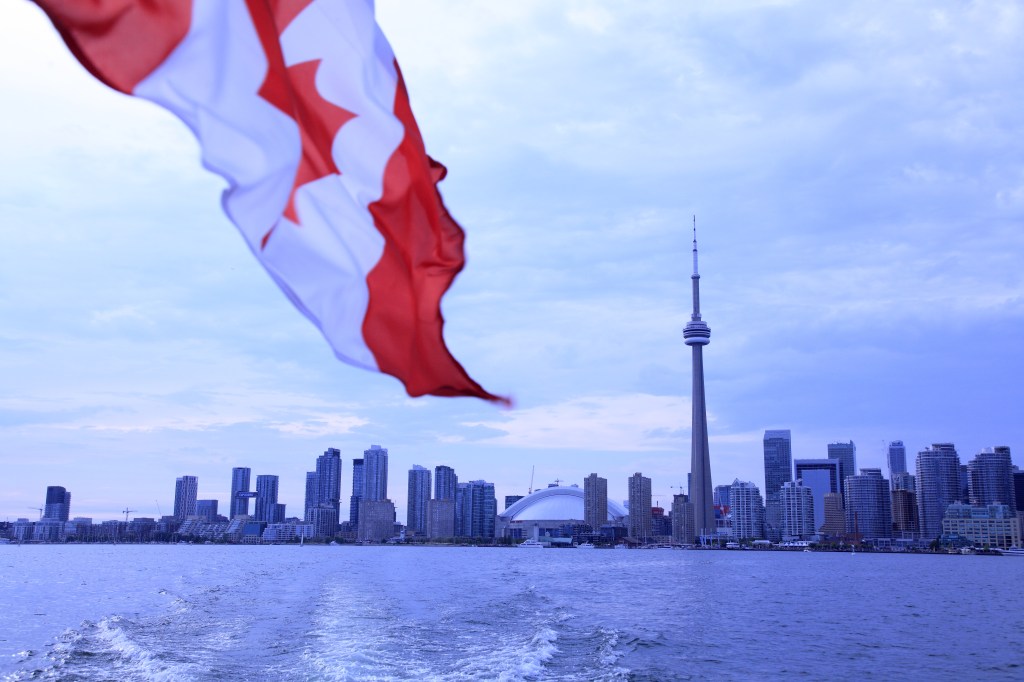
(126, 511)
(40, 510)
(158, 508)
(532, 469)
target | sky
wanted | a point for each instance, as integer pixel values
(857, 175)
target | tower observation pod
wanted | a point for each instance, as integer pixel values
(696, 335)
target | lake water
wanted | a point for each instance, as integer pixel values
(129, 612)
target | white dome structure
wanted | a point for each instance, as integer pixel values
(549, 508)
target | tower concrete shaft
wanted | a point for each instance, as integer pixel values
(697, 335)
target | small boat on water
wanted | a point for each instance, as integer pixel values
(1012, 551)
(585, 545)
(531, 544)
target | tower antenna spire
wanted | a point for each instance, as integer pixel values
(695, 244)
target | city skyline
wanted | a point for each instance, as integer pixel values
(859, 200)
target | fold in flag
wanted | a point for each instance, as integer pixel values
(301, 107)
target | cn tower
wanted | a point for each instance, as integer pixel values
(697, 335)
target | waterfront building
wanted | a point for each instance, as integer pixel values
(990, 478)
(357, 491)
(324, 521)
(835, 517)
(239, 505)
(639, 527)
(376, 520)
(186, 490)
(683, 530)
(328, 479)
(58, 503)
(696, 335)
(904, 514)
(551, 512)
(206, 510)
(778, 469)
(595, 501)
(965, 485)
(512, 499)
(822, 477)
(476, 509)
(938, 486)
(797, 502)
(748, 511)
(897, 460)
(868, 505)
(419, 495)
(846, 454)
(993, 525)
(445, 482)
(312, 494)
(441, 518)
(375, 473)
(267, 508)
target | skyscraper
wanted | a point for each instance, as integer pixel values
(58, 503)
(445, 482)
(904, 514)
(778, 469)
(822, 477)
(267, 508)
(682, 519)
(357, 491)
(938, 486)
(328, 479)
(897, 459)
(846, 453)
(375, 473)
(186, 490)
(835, 517)
(747, 509)
(640, 507)
(868, 505)
(797, 502)
(697, 334)
(990, 478)
(476, 509)
(239, 484)
(419, 495)
(595, 501)
(312, 495)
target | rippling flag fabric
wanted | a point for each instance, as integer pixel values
(301, 107)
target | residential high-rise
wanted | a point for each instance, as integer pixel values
(324, 520)
(476, 509)
(682, 520)
(822, 477)
(512, 499)
(696, 335)
(778, 469)
(835, 517)
(207, 510)
(595, 501)
(846, 453)
(186, 490)
(58, 503)
(903, 481)
(897, 459)
(328, 479)
(357, 491)
(904, 514)
(990, 478)
(419, 495)
(239, 504)
(375, 473)
(868, 505)
(312, 495)
(747, 509)
(376, 520)
(441, 518)
(267, 508)
(938, 486)
(721, 495)
(445, 482)
(797, 502)
(639, 526)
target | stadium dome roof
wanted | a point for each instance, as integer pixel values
(557, 503)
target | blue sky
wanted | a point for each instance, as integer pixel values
(857, 172)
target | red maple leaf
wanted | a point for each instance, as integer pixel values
(293, 91)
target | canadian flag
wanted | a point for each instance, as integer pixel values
(301, 107)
